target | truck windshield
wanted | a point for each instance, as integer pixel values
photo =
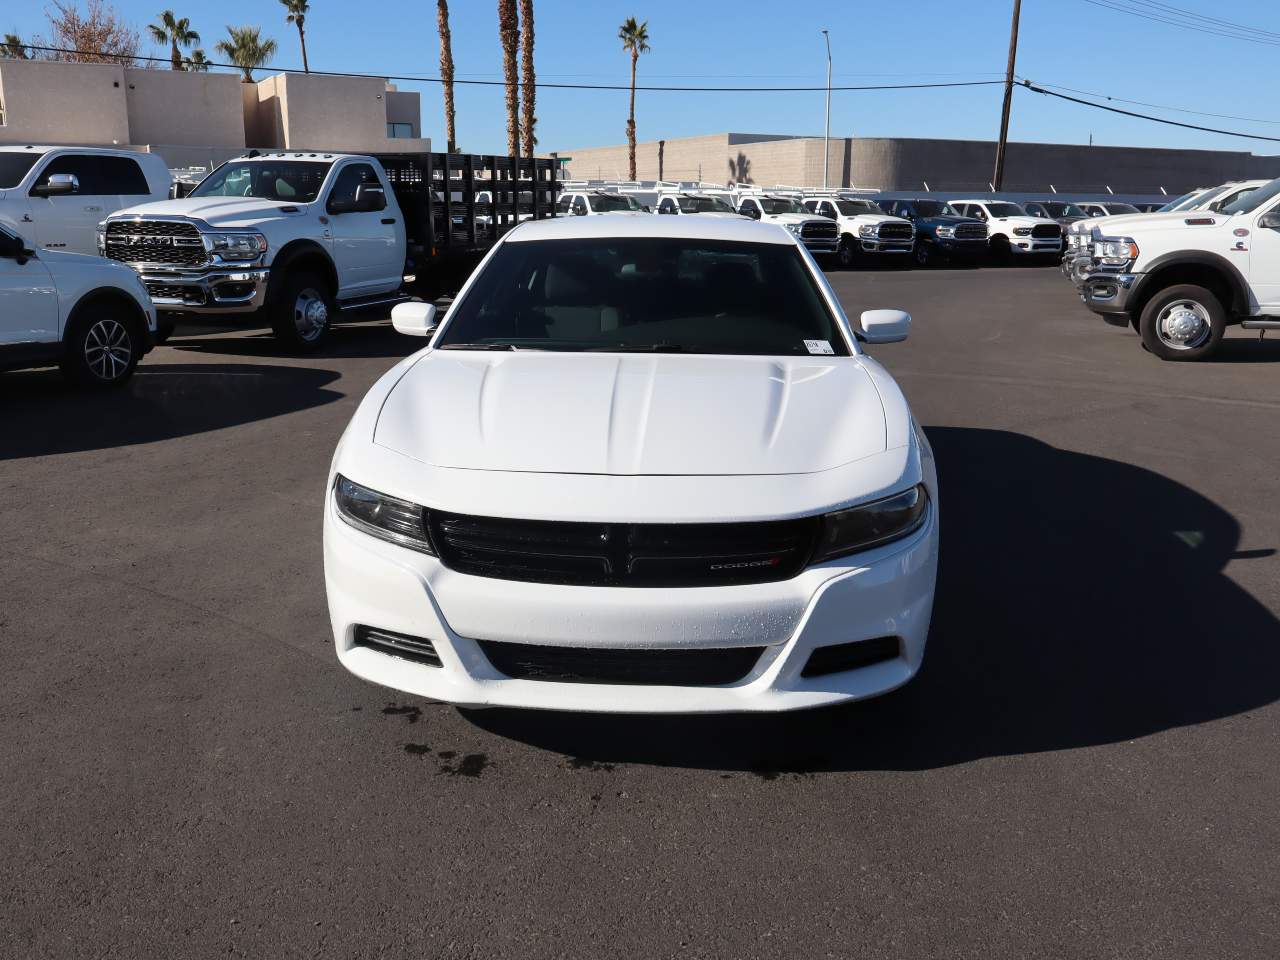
(1253, 199)
(774, 205)
(935, 208)
(645, 295)
(14, 166)
(1063, 209)
(1179, 203)
(285, 180)
(703, 205)
(1005, 210)
(612, 202)
(1115, 208)
(851, 208)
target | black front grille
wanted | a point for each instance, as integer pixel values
(155, 242)
(840, 657)
(971, 231)
(621, 554)
(667, 668)
(173, 291)
(1046, 231)
(819, 230)
(402, 645)
(896, 231)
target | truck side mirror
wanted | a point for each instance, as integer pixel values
(58, 184)
(370, 198)
(13, 247)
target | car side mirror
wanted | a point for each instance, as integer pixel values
(414, 319)
(884, 326)
(57, 185)
(1269, 220)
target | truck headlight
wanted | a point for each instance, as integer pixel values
(235, 246)
(867, 230)
(102, 241)
(794, 227)
(872, 524)
(946, 232)
(1022, 231)
(1116, 251)
(396, 521)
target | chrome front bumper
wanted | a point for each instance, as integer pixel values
(208, 292)
(1108, 294)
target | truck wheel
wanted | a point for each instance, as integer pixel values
(846, 253)
(301, 311)
(1183, 322)
(923, 253)
(102, 346)
(1000, 250)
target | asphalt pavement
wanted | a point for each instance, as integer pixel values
(1087, 766)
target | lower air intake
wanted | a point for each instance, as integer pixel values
(664, 668)
(416, 649)
(840, 657)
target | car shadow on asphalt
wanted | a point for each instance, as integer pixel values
(46, 415)
(1242, 349)
(1081, 601)
(371, 339)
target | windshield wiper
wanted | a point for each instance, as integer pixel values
(477, 346)
(638, 348)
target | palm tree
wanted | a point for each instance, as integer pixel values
(509, 34)
(528, 91)
(635, 41)
(13, 48)
(298, 16)
(446, 72)
(177, 33)
(246, 49)
(197, 62)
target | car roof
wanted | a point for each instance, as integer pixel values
(692, 228)
(41, 149)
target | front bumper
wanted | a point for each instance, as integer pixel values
(962, 248)
(1031, 245)
(883, 592)
(1108, 294)
(222, 291)
(875, 245)
(821, 246)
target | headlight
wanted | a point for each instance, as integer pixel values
(235, 246)
(396, 521)
(867, 230)
(1115, 251)
(871, 524)
(102, 241)
(794, 227)
(946, 231)
(1022, 231)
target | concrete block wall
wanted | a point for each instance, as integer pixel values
(184, 109)
(45, 102)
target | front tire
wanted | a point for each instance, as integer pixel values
(923, 254)
(1000, 250)
(1183, 322)
(301, 312)
(102, 346)
(846, 253)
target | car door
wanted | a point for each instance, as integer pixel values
(363, 241)
(28, 297)
(1257, 254)
(69, 221)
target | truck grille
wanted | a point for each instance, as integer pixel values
(819, 230)
(155, 242)
(622, 554)
(668, 668)
(895, 231)
(1046, 231)
(971, 231)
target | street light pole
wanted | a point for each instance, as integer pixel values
(826, 136)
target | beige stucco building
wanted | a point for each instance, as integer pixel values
(202, 118)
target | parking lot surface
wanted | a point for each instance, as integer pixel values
(1085, 767)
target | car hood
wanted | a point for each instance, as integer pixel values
(215, 211)
(874, 218)
(1019, 221)
(1128, 220)
(631, 415)
(949, 221)
(793, 218)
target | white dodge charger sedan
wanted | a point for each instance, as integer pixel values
(642, 466)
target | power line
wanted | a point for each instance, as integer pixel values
(1143, 116)
(1184, 24)
(1191, 14)
(420, 78)
(1157, 106)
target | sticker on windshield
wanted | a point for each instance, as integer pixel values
(819, 347)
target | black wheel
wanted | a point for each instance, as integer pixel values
(1183, 322)
(164, 330)
(846, 253)
(102, 345)
(923, 253)
(301, 311)
(1000, 250)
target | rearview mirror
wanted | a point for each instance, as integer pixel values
(58, 183)
(414, 319)
(884, 326)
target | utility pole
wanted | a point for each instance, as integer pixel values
(826, 136)
(998, 179)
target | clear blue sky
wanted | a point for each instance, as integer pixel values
(751, 42)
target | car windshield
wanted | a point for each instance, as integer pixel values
(1063, 209)
(1253, 199)
(646, 295)
(1115, 208)
(1005, 210)
(612, 202)
(935, 208)
(285, 180)
(1177, 203)
(14, 166)
(851, 208)
(773, 205)
(703, 205)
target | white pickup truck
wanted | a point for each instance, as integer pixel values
(57, 196)
(864, 228)
(1011, 231)
(1180, 278)
(818, 234)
